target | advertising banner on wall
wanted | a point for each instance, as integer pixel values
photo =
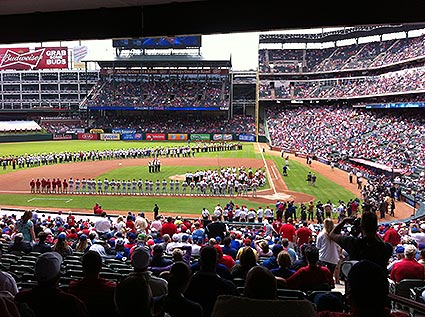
(123, 130)
(247, 137)
(39, 58)
(96, 131)
(155, 136)
(177, 136)
(88, 136)
(200, 137)
(131, 136)
(62, 136)
(109, 136)
(222, 137)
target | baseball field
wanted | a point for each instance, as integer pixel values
(331, 185)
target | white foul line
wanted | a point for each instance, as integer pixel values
(49, 198)
(267, 169)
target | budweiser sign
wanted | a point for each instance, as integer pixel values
(30, 59)
(40, 58)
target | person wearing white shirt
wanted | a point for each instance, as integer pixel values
(329, 253)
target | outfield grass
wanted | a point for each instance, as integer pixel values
(324, 190)
(22, 148)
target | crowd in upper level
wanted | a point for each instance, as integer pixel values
(161, 93)
(347, 57)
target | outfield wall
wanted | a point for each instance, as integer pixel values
(127, 135)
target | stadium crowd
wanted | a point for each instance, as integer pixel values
(93, 263)
(337, 133)
(403, 81)
(161, 93)
(347, 57)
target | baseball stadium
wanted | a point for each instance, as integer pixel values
(329, 128)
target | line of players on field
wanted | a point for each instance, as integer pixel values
(202, 183)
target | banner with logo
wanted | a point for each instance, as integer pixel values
(88, 136)
(200, 137)
(75, 130)
(247, 137)
(39, 58)
(217, 137)
(62, 136)
(109, 136)
(177, 136)
(227, 137)
(155, 136)
(123, 130)
(131, 136)
(96, 131)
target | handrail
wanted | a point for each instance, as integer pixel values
(408, 302)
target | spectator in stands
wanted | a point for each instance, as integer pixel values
(328, 249)
(272, 262)
(391, 235)
(96, 292)
(224, 259)
(260, 299)
(228, 249)
(158, 259)
(19, 245)
(25, 225)
(169, 227)
(175, 303)
(83, 244)
(216, 228)
(205, 285)
(285, 263)
(128, 288)
(368, 288)
(47, 273)
(407, 267)
(247, 260)
(313, 276)
(41, 245)
(61, 246)
(140, 259)
(7, 281)
(367, 247)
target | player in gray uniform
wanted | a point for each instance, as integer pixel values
(71, 185)
(164, 187)
(171, 187)
(84, 186)
(123, 187)
(77, 186)
(151, 187)
(140, 186)
(184, 187)
(99, 186)
(105, 186)
(177, 187)
(157, 187)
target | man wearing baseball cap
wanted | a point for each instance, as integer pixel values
(47, 294)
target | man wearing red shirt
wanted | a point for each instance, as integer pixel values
(392, 236)
(304, 234)
(32, 186)
(288, 231)
(37, 186)
(70, 220)
(407, 267)
(96, 292)
(312, 276)
(169, 227)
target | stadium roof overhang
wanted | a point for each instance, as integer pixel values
(23, 21)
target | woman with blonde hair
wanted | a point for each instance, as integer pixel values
(329, 252)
